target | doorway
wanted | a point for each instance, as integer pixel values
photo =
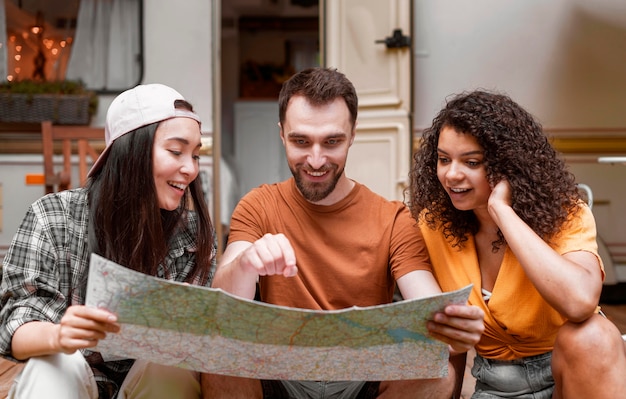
(266, 41)
(263, 43)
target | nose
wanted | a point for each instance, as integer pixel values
(190, 167)
(316, 158)
(454, 171)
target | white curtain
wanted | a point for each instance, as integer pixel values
(106, 48)
(3, 43)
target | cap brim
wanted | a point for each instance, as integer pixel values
(100, 161)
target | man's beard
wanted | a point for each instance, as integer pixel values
(315, 192)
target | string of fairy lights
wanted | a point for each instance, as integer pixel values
(36, 52)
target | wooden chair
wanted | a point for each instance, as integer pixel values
(84, 138)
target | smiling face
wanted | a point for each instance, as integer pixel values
(316, 140)
(175, 159)
(461, 170)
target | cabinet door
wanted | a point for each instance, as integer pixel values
(353, 41)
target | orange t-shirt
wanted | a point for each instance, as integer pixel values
(348, 254)
(518, 321)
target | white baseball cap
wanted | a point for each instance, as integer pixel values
(137, 107)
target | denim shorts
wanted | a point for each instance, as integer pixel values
(275, 389)
(526, 378)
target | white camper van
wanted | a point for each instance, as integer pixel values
(563, 61)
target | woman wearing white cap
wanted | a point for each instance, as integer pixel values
(143, 208)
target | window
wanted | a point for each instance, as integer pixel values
(96, 41)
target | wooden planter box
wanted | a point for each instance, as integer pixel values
(34, 108)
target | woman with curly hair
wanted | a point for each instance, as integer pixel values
(498, 209)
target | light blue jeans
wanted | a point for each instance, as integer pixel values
(526, 378)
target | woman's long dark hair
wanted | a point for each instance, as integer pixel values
(544, 192)
(126, 224)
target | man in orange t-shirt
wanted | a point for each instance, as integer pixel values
(323, 241)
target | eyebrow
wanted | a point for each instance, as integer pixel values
(476, 152)
(330, 136)
(183, 141)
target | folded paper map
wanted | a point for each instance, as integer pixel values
(209, 330)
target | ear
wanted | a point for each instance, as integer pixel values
(282, 133)
(353, 133)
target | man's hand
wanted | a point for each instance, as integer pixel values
(243, 262)
(270, 255)
(460, 326)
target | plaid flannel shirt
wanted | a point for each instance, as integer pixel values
(45, 271)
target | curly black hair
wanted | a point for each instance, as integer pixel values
(544, 192)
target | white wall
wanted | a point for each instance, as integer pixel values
(177, 51)
(564, 60)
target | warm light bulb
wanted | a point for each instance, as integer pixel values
(18, 57)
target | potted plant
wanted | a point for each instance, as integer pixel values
(63, 102)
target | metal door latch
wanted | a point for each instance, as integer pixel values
(396, 40)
